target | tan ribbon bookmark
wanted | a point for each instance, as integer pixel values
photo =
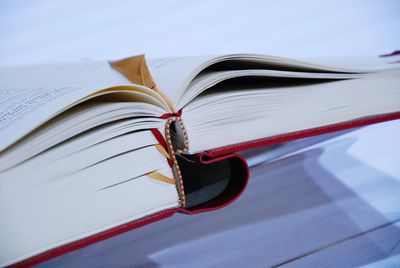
(135, 70)
(161, 149)
(161, 177)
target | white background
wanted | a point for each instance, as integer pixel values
(47, 30)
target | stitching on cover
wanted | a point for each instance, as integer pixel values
(170, 148)
(186, 148)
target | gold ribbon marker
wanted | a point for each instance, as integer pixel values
(135, 69)
(161, 177)
(161, 149)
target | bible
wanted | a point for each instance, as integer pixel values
(92, 149)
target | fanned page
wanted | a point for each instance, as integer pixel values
(175, 74)
(30, 96)
(172, 75)
(55, 199)
(256, 96)
(77, 156)
(249, 112)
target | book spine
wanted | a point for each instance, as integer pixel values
(177, 145)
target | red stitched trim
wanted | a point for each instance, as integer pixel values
(167, 144)
(185, 136)
(179, 185)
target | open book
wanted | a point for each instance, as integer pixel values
(92, 149)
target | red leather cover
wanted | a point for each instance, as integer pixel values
(303, 134)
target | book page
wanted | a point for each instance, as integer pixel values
(24, 109)
(250, 111)
(173, 75)
(369, 63)
(31, 95)
(79, 119)
(206, 80)
(109, 188)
